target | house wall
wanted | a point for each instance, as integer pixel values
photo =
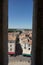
(11, 47)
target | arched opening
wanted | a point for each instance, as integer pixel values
(20, 28)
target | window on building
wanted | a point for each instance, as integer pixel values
(28, 40)
(10, 49)
(25, 46)
(28, 45)
(10, 45)
(27, 35)
(28, 48)
(12, 41)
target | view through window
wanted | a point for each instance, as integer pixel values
(20, 31)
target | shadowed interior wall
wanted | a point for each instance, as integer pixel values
(37, 46)
(3, 32)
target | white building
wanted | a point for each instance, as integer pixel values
(26, 46)
(11, 47)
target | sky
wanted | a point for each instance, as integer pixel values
(20, 14)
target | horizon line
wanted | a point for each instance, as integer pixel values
(19, 28)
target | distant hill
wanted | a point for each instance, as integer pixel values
(28, 29)
(13, 30)
(18, 30)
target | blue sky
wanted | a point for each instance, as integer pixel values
(20, 13)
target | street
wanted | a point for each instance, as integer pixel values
(19, 60)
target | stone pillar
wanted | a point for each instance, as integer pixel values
(37, 47)
(3, 32)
